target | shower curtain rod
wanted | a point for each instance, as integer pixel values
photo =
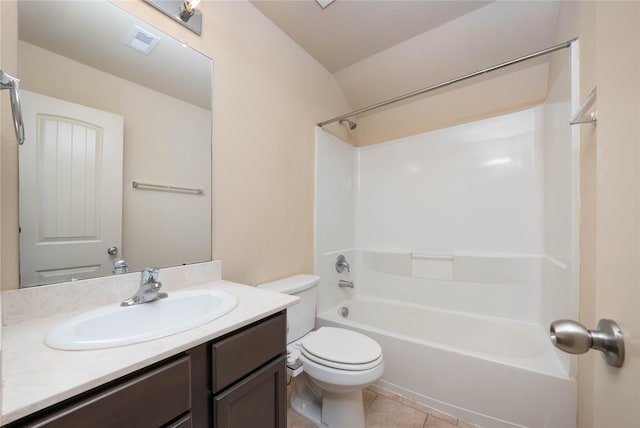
(449, 82)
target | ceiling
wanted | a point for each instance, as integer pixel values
(382, 49)
(348, 31)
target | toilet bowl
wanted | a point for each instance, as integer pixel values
(340, 358)
(336, 363)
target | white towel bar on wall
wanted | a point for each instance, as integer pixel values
(147, 186)
(581, 116)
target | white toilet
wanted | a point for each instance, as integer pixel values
(337, 363)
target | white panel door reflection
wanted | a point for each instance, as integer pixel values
(70, 190)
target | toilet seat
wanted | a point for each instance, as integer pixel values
(341, 349)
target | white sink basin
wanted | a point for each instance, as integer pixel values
(115, 325)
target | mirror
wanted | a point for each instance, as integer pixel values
(102, 113)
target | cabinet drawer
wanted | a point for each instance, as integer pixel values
(151, 399)
(244, 352)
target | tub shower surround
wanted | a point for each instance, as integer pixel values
(461, 255)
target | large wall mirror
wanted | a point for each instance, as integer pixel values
(117, 159)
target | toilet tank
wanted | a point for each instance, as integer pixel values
(301, 317)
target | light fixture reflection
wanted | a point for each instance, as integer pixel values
(324, 3)
(188, 9)
(185, 12)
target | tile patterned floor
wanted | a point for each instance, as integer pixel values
(385, 409)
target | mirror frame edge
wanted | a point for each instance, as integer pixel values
(9, 211)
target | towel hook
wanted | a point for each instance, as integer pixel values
(13, 84)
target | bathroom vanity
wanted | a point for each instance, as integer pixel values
(229, 372)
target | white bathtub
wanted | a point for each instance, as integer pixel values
(489, 371)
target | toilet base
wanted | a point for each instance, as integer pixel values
(310, 410)
(332, 410)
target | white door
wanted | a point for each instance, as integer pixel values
(70, 190)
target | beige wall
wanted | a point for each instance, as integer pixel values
(609, 201)
(617, 187)
(455, 48)
(475, 99)
(268, 95)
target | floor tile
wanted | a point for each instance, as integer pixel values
(384, 392)
(386, 409)
(433, 422)
(465, 424)
(429, 410)
(367, 398)
(411, 403)
(296, 421)
(385, 413)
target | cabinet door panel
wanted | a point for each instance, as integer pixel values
(149, 400)
(258, 401)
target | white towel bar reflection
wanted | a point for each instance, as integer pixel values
(147, 186)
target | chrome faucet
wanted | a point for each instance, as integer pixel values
(342, 264)
(120, 266)
(149, 288)
(345, 284)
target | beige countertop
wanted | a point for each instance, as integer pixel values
(36, 376)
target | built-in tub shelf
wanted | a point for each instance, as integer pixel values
(458, 267)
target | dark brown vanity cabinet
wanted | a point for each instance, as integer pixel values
(244, 397)
(235, 381)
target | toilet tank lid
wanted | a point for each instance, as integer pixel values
(292, 284)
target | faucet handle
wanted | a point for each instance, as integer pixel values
(342, 264)
(149, 275)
